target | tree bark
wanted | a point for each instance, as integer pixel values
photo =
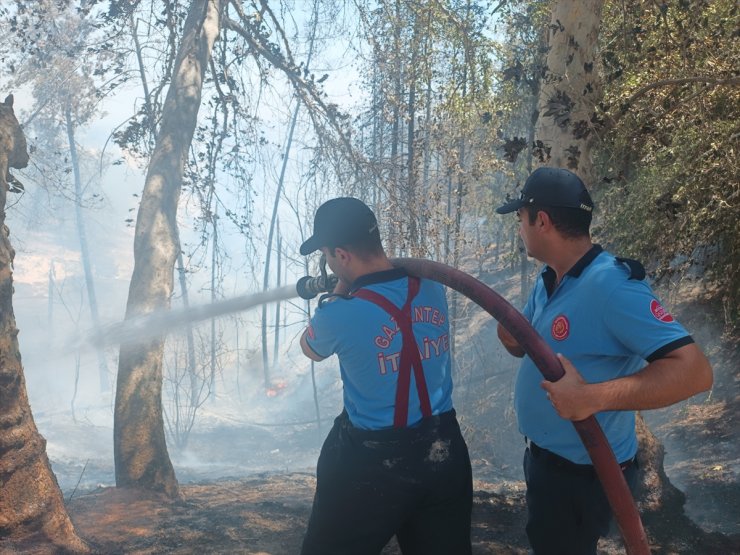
(140, 450)
(655, 491)
(570, 88)
(32, 512)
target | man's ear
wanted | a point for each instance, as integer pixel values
(543, 219)
(342, 255)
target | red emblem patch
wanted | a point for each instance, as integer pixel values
(560, 328)
(659, 312)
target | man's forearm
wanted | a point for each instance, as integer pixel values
(679, 375)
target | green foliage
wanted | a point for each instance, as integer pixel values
(670, 154)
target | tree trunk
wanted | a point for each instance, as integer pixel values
(524, 265)
(84, 250)
(195, 386)
(313, 365)
(457, 237)
(281, 181)
(427, 151)
(570, 88)
(279, 253)
(214, 263)
(140, 450)
(32, 512)
(50, 306)
(395, 241)
(271, 233)
(412, 195)
(655, 491)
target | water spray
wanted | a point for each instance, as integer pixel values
(156, 324)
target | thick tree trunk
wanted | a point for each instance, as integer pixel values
(32, 512)
(140, 450)
(655, 491)
(570, 88)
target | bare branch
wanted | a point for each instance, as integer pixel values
(308, 93)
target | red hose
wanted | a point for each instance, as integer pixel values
(602, 456)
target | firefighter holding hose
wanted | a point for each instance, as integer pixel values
(395, 462)
(621, 352)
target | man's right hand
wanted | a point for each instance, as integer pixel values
(508, 341)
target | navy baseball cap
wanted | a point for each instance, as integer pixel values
(551, 187)
(340, 221)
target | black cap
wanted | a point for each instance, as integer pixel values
(551, 187)
(340, 221)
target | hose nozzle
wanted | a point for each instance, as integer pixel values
(308, 286)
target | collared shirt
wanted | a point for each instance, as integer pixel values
(607, 325)
(368, 344)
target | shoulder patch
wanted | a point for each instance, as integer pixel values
(637, 270)
(659, 312)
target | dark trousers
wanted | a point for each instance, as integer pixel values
(567, 509)
(415, 483)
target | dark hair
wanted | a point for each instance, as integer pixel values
(366, 247)
(570, 222)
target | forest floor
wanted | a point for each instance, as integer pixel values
(268, 514)
(247, 488)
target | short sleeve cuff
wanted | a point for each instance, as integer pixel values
(669, 347)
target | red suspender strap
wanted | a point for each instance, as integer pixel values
(410, 357)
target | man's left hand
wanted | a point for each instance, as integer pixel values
(569, 395)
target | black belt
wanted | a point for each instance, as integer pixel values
(442, 420)
(569, 466)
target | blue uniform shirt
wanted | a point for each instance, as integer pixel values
(607, 325)
(368, 344)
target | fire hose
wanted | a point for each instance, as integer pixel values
(593, 438)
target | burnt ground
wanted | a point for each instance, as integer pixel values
(265, 514)
(268, 514)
